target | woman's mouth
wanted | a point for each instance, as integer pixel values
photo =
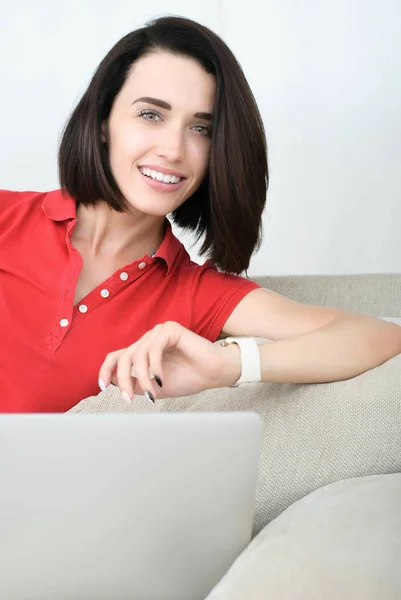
(158, 176)
(161, 181)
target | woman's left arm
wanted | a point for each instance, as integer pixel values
(308, 344)
(311, 344)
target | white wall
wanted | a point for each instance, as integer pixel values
(327, 77)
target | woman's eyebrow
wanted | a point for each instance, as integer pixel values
(163, 104)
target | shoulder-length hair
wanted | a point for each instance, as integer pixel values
(226, 210)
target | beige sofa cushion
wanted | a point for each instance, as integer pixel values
(313, 435)
(340, 542)
(376, 294)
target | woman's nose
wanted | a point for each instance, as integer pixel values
(171, 144)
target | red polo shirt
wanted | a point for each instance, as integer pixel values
(51, 350)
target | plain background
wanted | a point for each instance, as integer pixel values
(327, 78)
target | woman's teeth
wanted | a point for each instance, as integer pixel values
(160, 176)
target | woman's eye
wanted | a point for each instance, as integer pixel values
(203, 129)
(150, 115)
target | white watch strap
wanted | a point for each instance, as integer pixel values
(250, 359)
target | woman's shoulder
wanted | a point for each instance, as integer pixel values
(212, 295)
(19, 207)
(13, 199)
(206, 280)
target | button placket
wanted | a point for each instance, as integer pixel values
(96, 297)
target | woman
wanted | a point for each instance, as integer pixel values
(168, 125)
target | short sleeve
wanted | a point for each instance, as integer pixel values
(10, 204)
(9, 199)
(214, 296)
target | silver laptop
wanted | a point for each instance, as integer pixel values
(117, 506)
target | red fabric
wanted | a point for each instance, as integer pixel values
(45, 367)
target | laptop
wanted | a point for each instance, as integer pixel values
(121, 506)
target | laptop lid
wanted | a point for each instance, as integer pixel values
(142, 506)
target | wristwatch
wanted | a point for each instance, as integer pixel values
(250, 359)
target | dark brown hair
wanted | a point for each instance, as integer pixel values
(226, 209)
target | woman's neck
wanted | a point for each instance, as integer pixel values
(105, 232)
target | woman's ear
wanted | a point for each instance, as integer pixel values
(103, 136)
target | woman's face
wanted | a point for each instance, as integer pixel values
(159, 132)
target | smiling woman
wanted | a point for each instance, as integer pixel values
(149, 138)
(92, 280)
(171, 97)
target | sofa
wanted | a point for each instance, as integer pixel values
(327, 521)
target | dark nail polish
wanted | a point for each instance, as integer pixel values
(158, 381)
(149, 397)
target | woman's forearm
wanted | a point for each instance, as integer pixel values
(343, 349)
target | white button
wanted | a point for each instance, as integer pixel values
(105, 293)
(83, 308)
(123, 276)
(142, 265)
(64, 322)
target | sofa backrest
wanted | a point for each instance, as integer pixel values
(378, 295)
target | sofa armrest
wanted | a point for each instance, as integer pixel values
(340, 542)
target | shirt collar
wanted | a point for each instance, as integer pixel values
(58, 205)
(169, 248)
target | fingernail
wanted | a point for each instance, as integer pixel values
(102, 385)
(126, 397)
(158, 381)
(149, 397)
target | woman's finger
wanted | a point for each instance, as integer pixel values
(144, 366)
(108, 368)
(155, 361)
(123, 374)
(135, 387)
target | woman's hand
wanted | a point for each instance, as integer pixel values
(181, 362)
